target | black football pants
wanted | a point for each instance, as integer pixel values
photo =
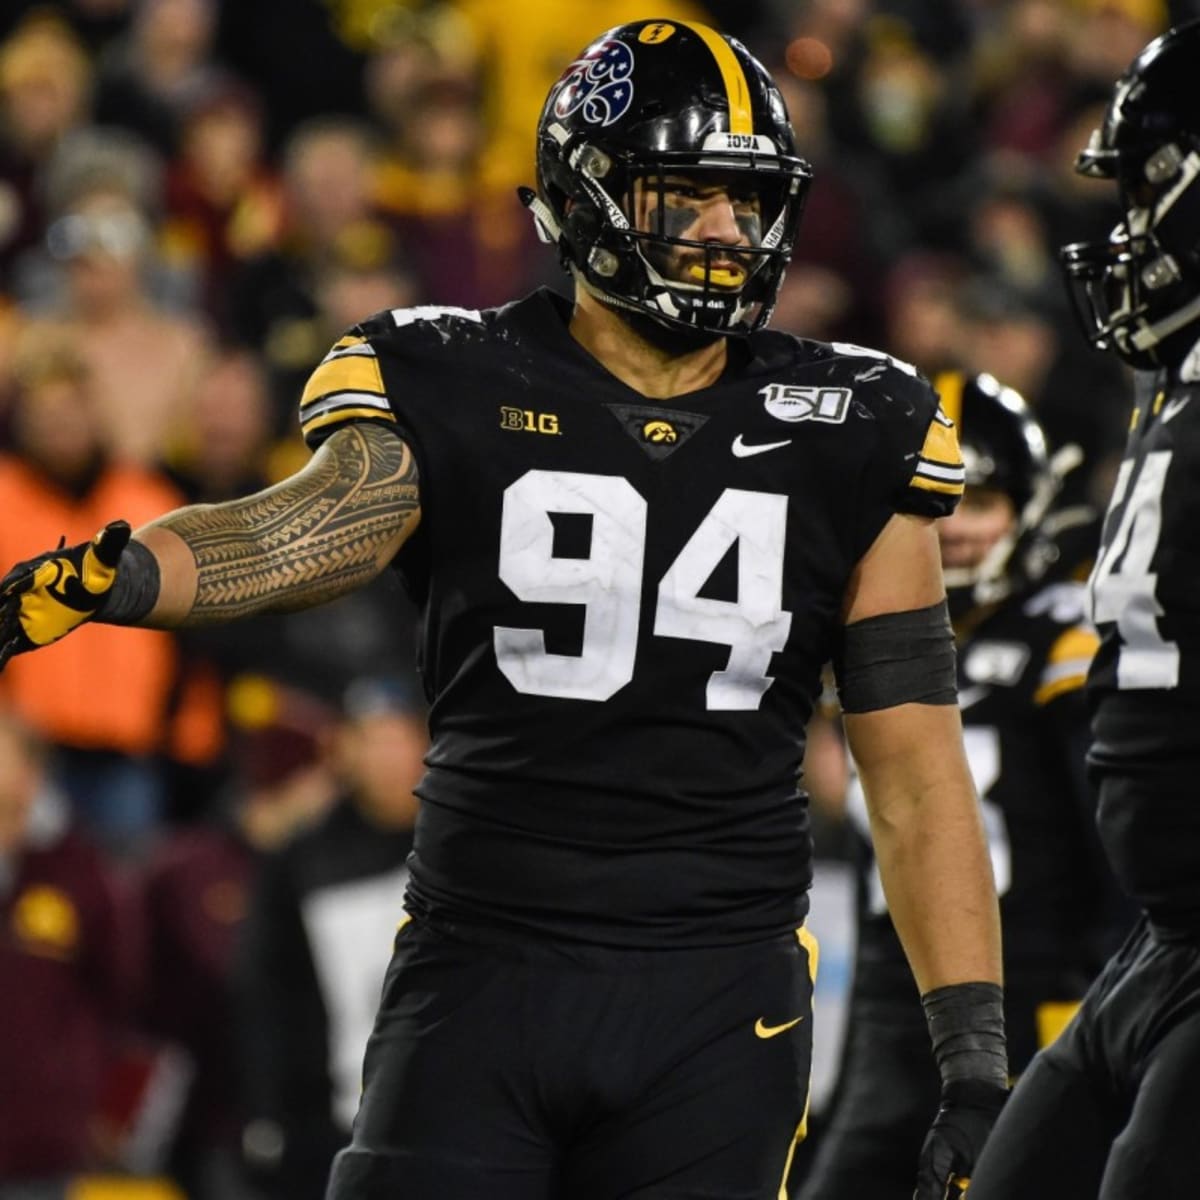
(1111, 1110)
(888, 1084)
(550, 1071)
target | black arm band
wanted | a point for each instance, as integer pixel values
(134, 591)
(897, 658)
(966, 1025)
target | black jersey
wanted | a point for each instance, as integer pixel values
(1021, 674)
(1144, 595)
(626, 608)
(1145, 683)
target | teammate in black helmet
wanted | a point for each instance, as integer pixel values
(637, 527)
(1024, 648)
(1112, 1109)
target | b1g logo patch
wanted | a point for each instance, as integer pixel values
(525, 420)
(787, 402)
(600, 84)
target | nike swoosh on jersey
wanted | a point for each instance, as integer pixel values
(769, 1031)
(1174, 407)
(743, 450)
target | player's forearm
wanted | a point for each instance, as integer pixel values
(937, 877)
(929, 841)
(317, 536)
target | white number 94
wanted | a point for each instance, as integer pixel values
(608, 585)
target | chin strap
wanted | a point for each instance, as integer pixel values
(1146, 337)
(544, 221)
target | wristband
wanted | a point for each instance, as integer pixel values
(135, 590)
(966, 1026)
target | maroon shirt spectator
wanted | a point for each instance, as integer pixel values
(194, 894)
(195, 897)
(69, 969)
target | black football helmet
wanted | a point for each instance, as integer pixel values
(1003, 447)
(650, 100)
(1138, 294)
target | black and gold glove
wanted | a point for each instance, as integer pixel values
(43, 598)
(965, 1117)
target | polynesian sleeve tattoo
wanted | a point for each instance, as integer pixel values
(316, 536)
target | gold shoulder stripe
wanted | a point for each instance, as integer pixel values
(940, 465)
(344, 414)
(1067, 664)
(941, 445)
(352, 374)
(1059, 686)
(349, 340)
(936, 485)
(949, 387)
(1077, 643)
(741, 119)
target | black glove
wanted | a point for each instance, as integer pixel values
(965, 1117)
(42, 599)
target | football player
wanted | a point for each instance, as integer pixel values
(1112, 1108)
(1023, 654)
(637, 526)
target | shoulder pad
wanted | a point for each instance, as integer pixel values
(442, 322)
(347, 384)
(1070, 640)
(914, 427)
(1067, 663)
(434, 314)
(877, 362)
(1065, 602)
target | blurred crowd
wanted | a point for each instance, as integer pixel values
(196, 198)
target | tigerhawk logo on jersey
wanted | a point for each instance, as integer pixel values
(660, 431)
(525, 420)
(657, 437)
(792, 403)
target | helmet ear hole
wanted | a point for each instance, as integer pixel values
(582, 226)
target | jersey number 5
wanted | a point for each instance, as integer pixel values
(1122, 584)
(608, 585)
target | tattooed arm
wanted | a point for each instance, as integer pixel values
(325, 531)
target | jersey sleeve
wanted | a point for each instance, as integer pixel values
(346, 387)
(914, 464)
(936, 481)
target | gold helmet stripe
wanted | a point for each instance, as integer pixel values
(949, 387)
(741, 120)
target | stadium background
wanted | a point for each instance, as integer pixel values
(196, 197)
